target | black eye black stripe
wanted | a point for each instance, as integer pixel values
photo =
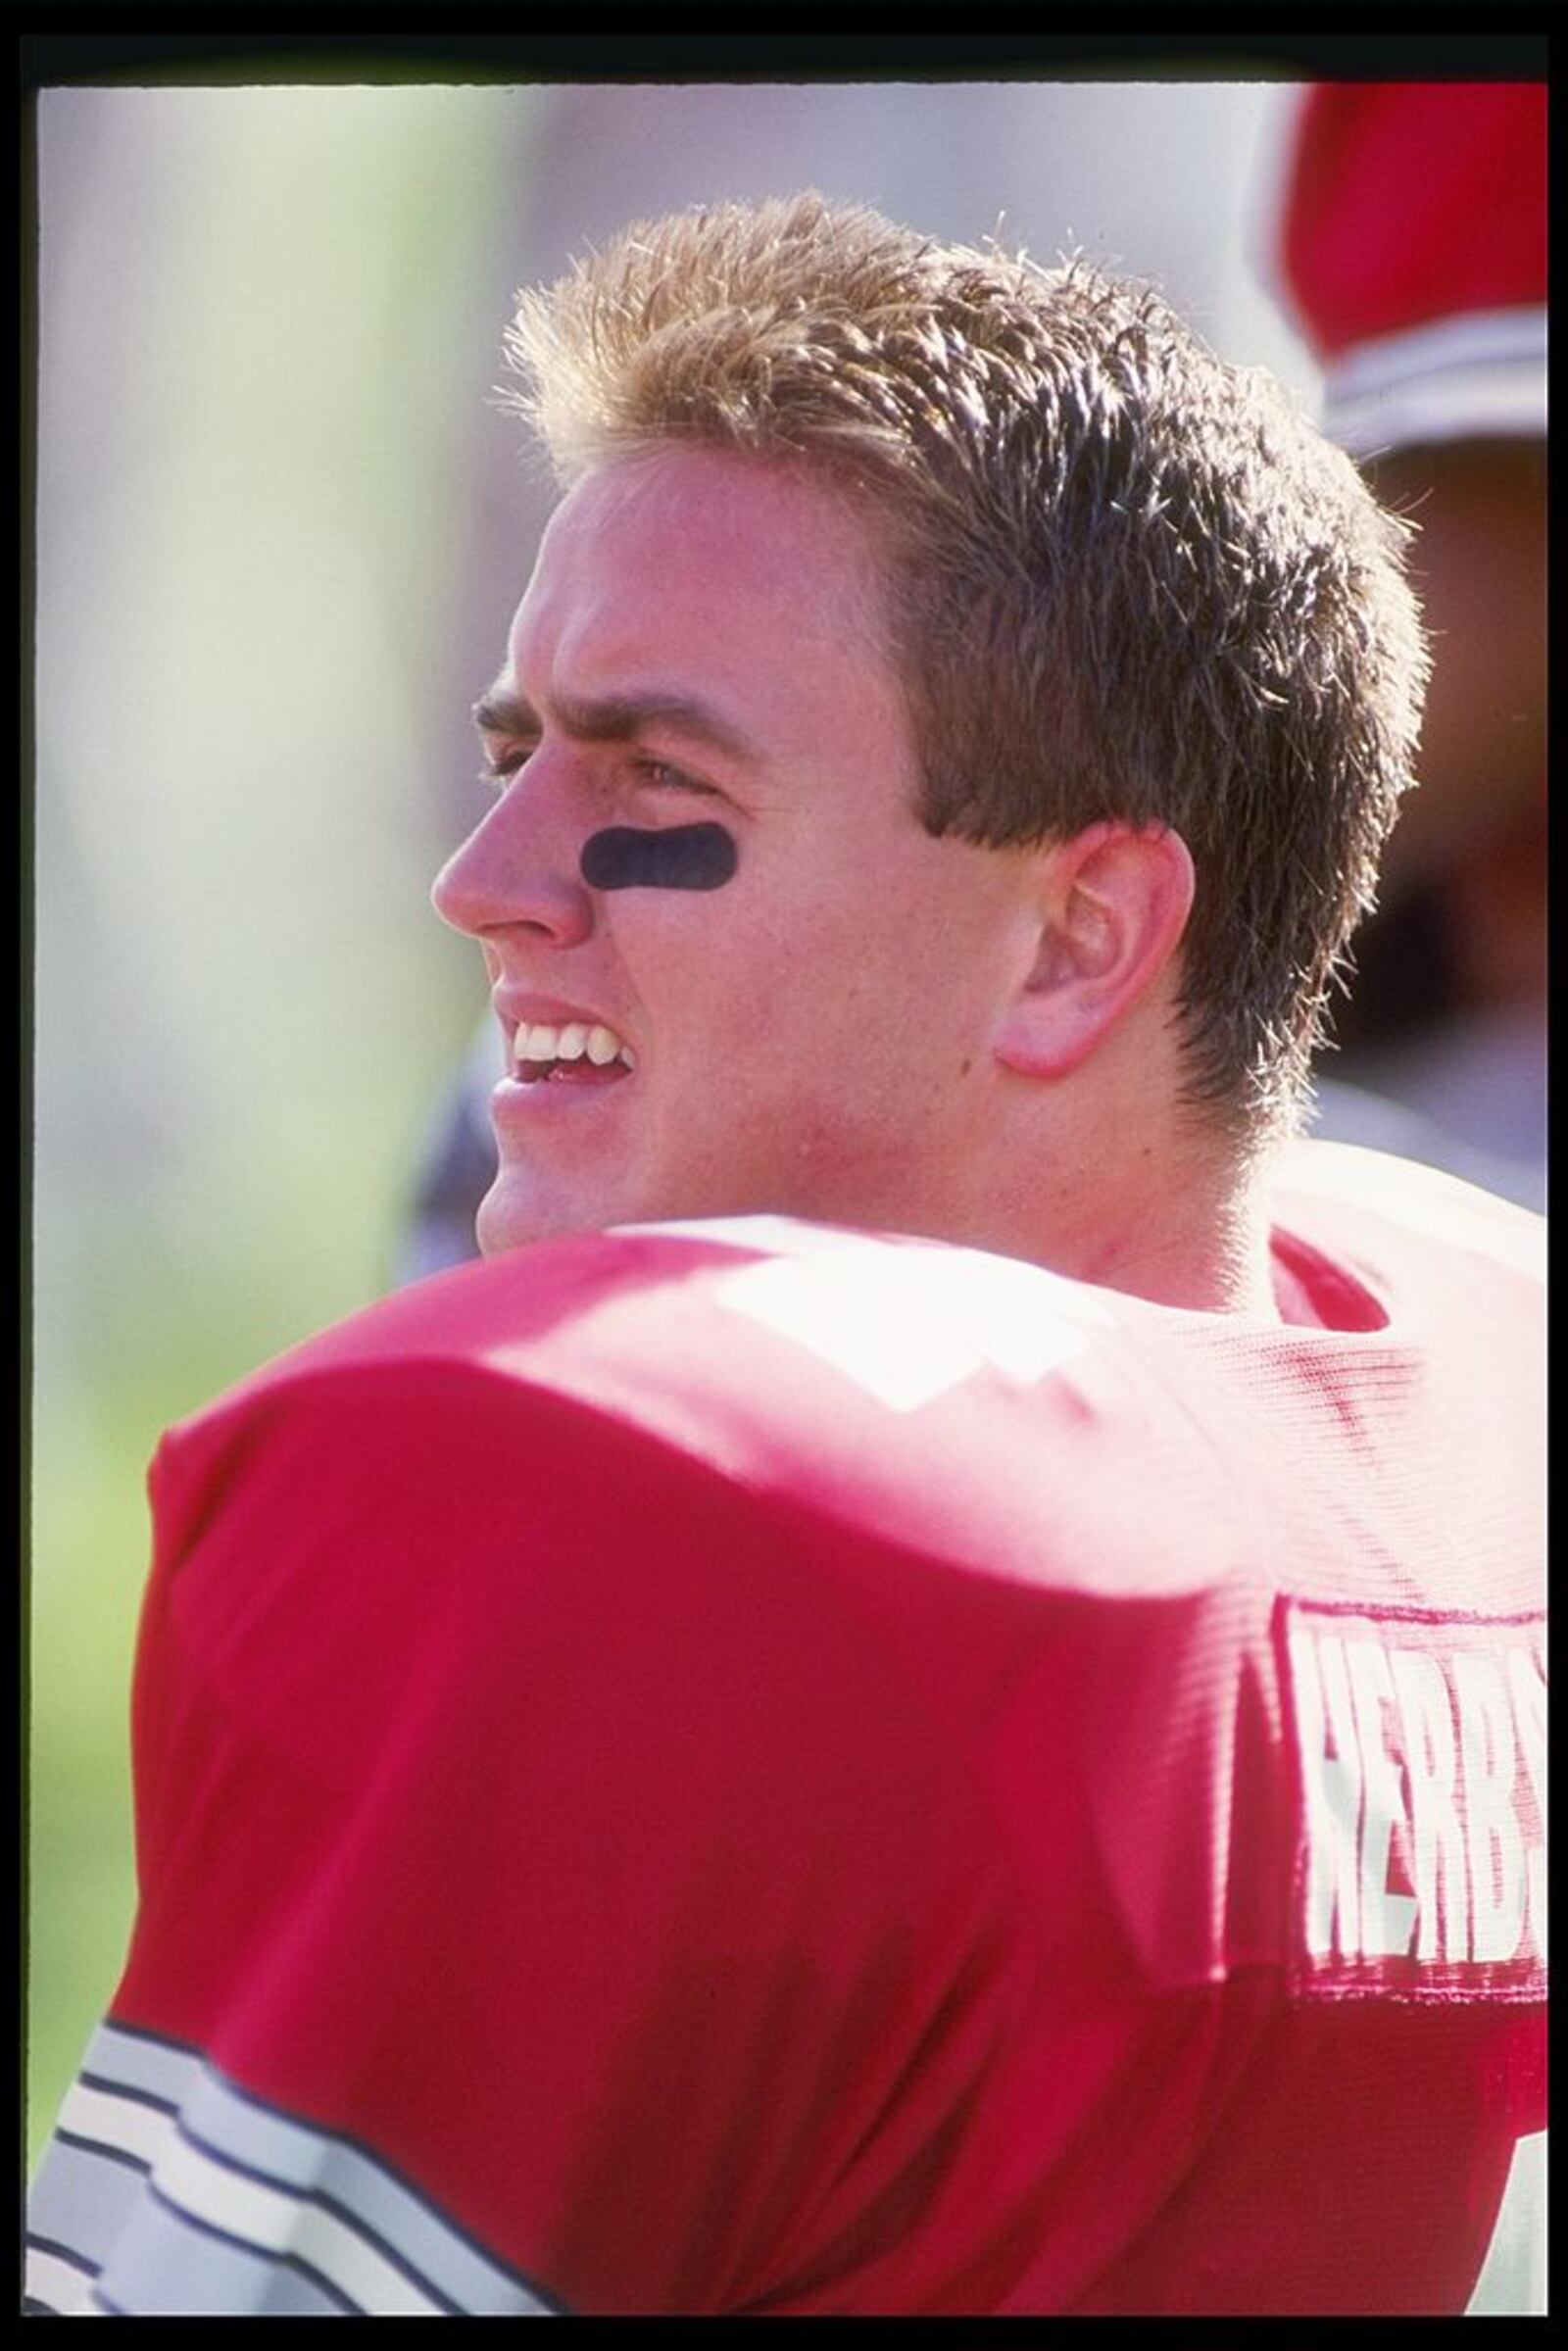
(682, 857)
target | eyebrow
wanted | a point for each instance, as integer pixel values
(617, 718)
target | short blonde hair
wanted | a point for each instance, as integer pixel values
(1124, 579)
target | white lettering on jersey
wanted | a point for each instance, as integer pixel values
(1432, 1765)
(1423, 1772)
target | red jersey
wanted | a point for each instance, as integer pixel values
(748, 1768)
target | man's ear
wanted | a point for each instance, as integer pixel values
(1114, 903)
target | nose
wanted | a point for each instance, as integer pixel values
(507, 875)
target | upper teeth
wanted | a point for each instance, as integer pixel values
(537, 1040)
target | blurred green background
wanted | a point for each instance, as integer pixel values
(266, 338)
(279, 530)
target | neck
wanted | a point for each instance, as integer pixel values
(1202, 1243)
(1182, 1220)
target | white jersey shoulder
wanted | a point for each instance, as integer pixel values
(1426, 1202)
(906, 1319)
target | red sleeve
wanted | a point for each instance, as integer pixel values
(515, 1807)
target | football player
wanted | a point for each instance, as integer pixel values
(925, 1694)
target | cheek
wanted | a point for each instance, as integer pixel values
(708, 985)
(700, 948)
(842, 993)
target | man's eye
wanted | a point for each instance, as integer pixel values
(659, 776)
(500, 765)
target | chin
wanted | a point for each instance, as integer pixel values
(509, 1218)
(516, 1212)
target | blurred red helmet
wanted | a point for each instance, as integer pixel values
(1413, 244)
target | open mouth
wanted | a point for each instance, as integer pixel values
(575, 1053)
